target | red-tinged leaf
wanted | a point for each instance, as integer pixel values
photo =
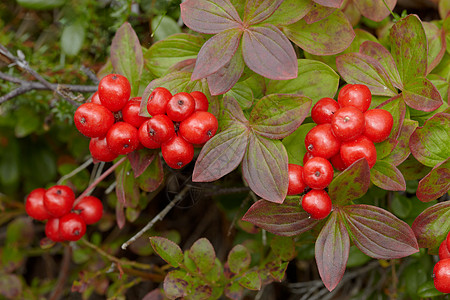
(409, 48)
(315, 80)
(378, 233)
(331, 251)
(387, 176)
(239, 259)
(432, 225)
(429, 143)
(120, 215)
(384, 57)
(203, 254)
(127, 190)
(140, 160)
(126, 56)
(243, 94)
(287, 219)
(276, 116)
(375, 10)
(396, 106)
(216, 53)
(265, 168)
(176, 284)
(250, 280)
(436, 183)
(385, 148)
(268, 52)
(226, 77)
(231, 113)
(330, 3)
(412, 169)
(283, 247)
(186, 65)
(234, 291)
(10, 286)
(436, 44)
(350, 184)
(256, 11)
(290, 11)
(209, 16)
(325, 37)
(402, 151)
(357, 68)
(221, 154)
(420, 94)
(152, 177)
(317, 13)
(277, 270)
(154, 295)
(168, 250)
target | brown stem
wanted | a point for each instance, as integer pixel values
(63, 274)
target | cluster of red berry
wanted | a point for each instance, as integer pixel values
(67, 220)
(113, 122)
(441, 271)
(346, 131)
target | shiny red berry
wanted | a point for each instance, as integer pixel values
(321, 142)
(99, 149)
(347, 123)
(296, 183)
(160, 128)
(318, 173)
(443, 250)
(323, 110)
(357, 95)
(114, 91)
(177, 152)
(130, 112)
(122, 138)
(145, 138)
(157, 101)
(361, 147)
(441, 275)
(199, 127)
(58, 200)
(90, 208)
(317, 204)
(201, 101)
(378, 124)
(93, 120)
(72, 227)
(180, 107)
(307, 157)
(34, 205)
(337, 162)
(95, 98)
(52, 230)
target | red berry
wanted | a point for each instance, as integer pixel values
(307, 157)
(72, 227)
(441, 275)
(34, 205)
(95, 99)
(318, 173)
(180, 106)
(337, 162)
(52, 230)
(323, 110)
(347, 123)
(131, 110)
(58, 200)
(99, 149)
(90, 208)
(201, 101)
(93, 120)
(160, 128)
(321, 142)
(122, 138)
(357, 95)
(199, 127)
(296, 184)
(317, 203)
(378, 123)
(361, 147)
(177, 152)
(114, 91)
(145, 138)
(157, 101)
(443, 250)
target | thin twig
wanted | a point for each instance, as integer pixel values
(63, 274)
(158, 217)
(76, 171)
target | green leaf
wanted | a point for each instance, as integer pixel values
(151, 179)
(41, 4)
(250, 280)
(432, 225)
(402, 151)
(350, 184)
(290, 11)
(429, 143)
(126, 56)
(164, 26)
(331, 251)
(265, 168)
(315, 80)
(409, 48)
(325, 37)
(203, 254)
(72, 38)
(436, 183)
(318, 12)
(175, 48)
(356, 258)
(239, 259)
(277, 269)
(276, 116)
(233, 290)
(387, 176)
(127, 189)
(427, 289)
(420, 94)
(242, 93)
(256, 11)
(436, 44)
(401, 206)
(295, 145)
(413, 169)
(19, 232)
(216, 272)
(168, 250)
(385, 148)
(176, 284)
(27, 122)
(283, 247)
(10, 286)
(396, 106)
